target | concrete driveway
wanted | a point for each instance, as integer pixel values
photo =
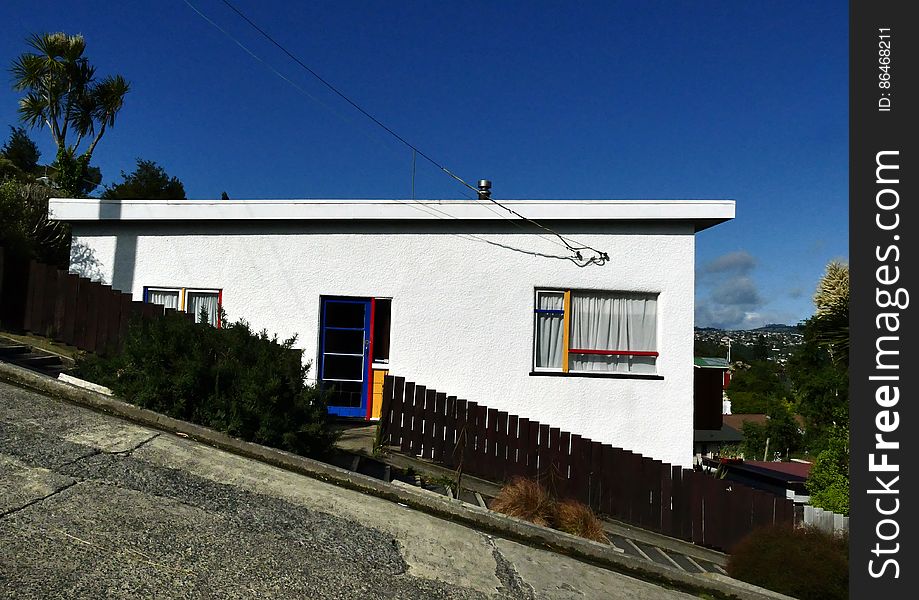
(95, 507)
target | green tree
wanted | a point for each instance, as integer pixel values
(21, 151)
(831, 321)
(820, 388)
(819, 369)
(761, 349)
(63, 94)
(820, 376)
(781, 429)
(828, 482)
(148, 181)
(26, 231)
(756, 387)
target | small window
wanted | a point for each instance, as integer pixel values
(549, 314)
(163, 296)
(204, 304)
(595, 331)
(382, 319)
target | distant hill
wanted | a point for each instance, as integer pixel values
(770, 328)
(772, 342)
(778, 328)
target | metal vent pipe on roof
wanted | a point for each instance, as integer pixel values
(484, 189)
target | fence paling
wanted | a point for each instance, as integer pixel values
(60, 301)
(49, 300)
(71, 297)
(430, 410)
(398, 411)
(449, 431)
(386, 412)
(440, 409)
(666, 483)
(456, 452)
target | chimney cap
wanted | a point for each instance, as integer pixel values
(484, 189)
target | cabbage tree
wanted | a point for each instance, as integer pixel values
(63, 95)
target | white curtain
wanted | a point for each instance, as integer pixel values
(606, 321)
(168, 298)
(549, 330)
(194, 301)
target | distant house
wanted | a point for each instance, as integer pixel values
(710, 442)
(455, 295)
(710, 378)
(786, 479)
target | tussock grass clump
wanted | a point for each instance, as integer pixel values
(527, 500)
(576, 518)
(806, 563)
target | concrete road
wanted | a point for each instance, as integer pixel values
(95, 507)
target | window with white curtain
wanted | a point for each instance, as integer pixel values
(588, 331)
(549, 316)
(204, 305)
(190, 300)
(166, 297)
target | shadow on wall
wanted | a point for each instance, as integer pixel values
(83, 262)
(125, 259)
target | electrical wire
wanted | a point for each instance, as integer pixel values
(292, 83)
(570, 244)
(601, 257)
(425, 208)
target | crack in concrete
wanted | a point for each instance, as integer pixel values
(137, 446)
(90, 454)
(511, 582)
(97, 452)
(12, 511)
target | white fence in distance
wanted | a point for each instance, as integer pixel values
(825, 520)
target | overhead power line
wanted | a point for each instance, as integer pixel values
(573, 246)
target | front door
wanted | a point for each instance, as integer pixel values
(344, 343)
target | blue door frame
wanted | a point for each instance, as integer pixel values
(344, 345)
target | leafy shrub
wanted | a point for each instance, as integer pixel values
(805, 563)
(232, 379)
(576, 518)
(527, 500)
(828, 482)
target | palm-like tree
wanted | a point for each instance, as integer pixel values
(831, 320)
(62, 94)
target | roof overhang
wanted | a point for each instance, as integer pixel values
(702, 213)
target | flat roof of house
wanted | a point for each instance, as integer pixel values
(704, 213)
(725, 434)
(793, 470)
(737, 420)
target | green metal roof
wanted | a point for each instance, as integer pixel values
(711, 363)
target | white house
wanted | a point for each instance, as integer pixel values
(456, 295)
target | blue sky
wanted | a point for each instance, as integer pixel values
(739, 100)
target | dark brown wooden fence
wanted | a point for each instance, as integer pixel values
(76, 311)
(495, 445)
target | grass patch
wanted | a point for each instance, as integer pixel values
(527, 500)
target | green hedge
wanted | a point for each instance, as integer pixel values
(232, 379)
(805, 563)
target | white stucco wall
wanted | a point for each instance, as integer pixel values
(462, 310)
